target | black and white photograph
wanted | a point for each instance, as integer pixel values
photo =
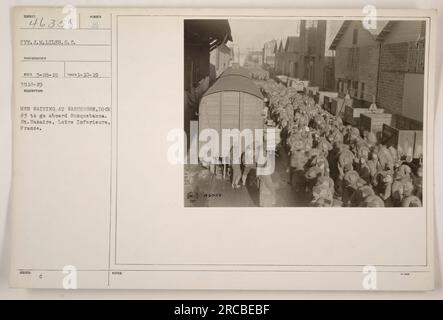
(304, 113)
(234, 152)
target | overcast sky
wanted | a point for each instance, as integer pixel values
(251, 34)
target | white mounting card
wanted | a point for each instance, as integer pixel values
(104, 98)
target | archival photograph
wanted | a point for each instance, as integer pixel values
(303, 113)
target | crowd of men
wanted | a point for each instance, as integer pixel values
(334, 164)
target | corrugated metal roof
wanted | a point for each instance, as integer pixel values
(235, 79)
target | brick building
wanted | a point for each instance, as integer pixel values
(201, 37)
(269, 53)
(385, 63)
(401, 72)
(356, 61)
(316, 61)
(278, 58)
(287, 57)
(220, 59)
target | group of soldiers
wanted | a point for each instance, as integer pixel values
(332, 164)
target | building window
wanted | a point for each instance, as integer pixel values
(354, 92)
(355, 36)
(348, 87)
(362, 90)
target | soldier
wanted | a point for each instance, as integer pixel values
(236, 166)
(345, 159)
(361, 194)
(395, 156)
(385, 158)
(335, 136)
(318, 159)
(350, 186)
(370, 138)
(247, 163)
(401, 188)
(364, 170)
(373, 166)
(266, 190)
(298, 161)
(384, 182)
(417, 180)
(311, 176)
(373, 107)
(402, 185)
(352, 136)
(373, 201)
(323, 192)
(333, 161)
(403, 171)
(324, 146)
(411, 201)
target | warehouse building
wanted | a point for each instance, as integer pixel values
(385, 64)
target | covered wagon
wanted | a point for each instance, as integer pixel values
(233, 102)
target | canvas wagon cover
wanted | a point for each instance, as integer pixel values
(235, 79)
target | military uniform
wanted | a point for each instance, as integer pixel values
(373, 201)
(350, 186)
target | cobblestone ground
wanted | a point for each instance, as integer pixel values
(203, 189)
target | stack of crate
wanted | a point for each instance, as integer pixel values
(373, 122)
(312, 91)
(322, 95)
(327, 102)
(409, 143)
(352, 114)
(338, 105)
